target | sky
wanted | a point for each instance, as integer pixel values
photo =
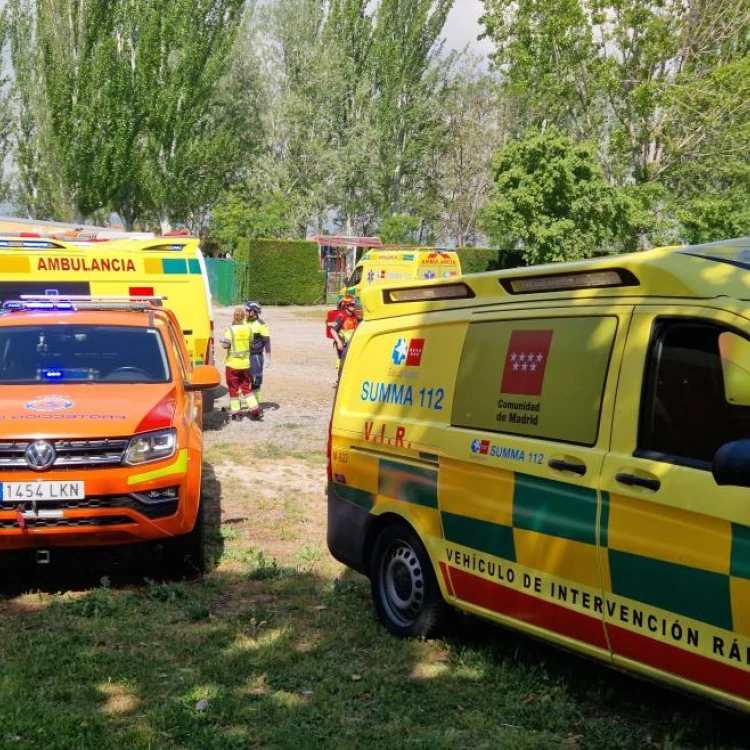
(462, 27)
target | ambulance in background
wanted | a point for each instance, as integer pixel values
(386, 265)
(90, 262)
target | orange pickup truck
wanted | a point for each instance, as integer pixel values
(100, 428)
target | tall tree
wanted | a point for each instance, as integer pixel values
(127, 109)
(628, 74)
(351, 112)
(408, 95)
(478, 124)
(6, 123)
(37, 187)
(551, 201)
(295, 160)
(184, 48)
(347, 47)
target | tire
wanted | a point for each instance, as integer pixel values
(405, 591)
(209, 400)
(185, 555)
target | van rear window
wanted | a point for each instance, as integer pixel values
(543, 377)
(81, 353)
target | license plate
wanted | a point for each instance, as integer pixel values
(18, 492)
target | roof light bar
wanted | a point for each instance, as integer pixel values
(82, 302)
(428, 293)
(171, 247)
(29, 244)
(92, 298)
(137, 305)
(21, 305)
(569, 281)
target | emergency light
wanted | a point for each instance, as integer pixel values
(82, 302)
(425, 293)
(29, 244)
(22, 305)
(566, 282)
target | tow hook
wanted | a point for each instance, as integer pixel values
(43, 557)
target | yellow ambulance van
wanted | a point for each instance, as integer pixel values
(386, 265)
(169, 267)
(564, 450)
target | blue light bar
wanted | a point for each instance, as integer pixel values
(33, 244)
(19, 305)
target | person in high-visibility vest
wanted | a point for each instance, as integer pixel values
(236, 341)
(260, 345)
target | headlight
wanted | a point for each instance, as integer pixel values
(152, 446)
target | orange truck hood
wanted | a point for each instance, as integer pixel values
(84, 411)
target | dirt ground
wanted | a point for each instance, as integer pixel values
(297, 388)
(276, 468)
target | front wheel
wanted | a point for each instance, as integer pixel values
(209, 400)
(404, 588)
(185, 555)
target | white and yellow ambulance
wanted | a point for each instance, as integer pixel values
(169, 267)
(385, 265)
(564, 450)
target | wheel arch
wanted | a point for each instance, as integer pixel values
(423, 523)
(374, 527)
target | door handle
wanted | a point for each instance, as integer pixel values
(634, 481)
(560, 465)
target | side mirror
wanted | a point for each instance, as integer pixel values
(731, 464)
(202, 378)
(735, 367)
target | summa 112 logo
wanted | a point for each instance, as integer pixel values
(408, 352)
(480, 446)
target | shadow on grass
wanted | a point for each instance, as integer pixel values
(272, 657)
(215, 420)
(670, 718)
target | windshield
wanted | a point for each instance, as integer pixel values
(355, 278)
(82, 354)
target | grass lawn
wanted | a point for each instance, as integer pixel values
(278, 647)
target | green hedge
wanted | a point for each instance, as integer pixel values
(479, 259)
(278, 272)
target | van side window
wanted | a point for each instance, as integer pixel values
(696, 392)
(540, 377)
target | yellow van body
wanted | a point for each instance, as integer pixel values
(564, 450)
(170, 267)
(394, 265)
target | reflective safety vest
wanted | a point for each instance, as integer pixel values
(238, 355)
(345, 325)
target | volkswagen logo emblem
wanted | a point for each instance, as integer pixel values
(40, 455)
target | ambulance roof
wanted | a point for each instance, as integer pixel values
(707, 271)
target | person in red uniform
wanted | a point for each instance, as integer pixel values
(236, 341)
(343, 327)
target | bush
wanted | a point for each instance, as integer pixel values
(479, 259)
(279, 272)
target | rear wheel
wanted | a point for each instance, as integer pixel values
(404, 588)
